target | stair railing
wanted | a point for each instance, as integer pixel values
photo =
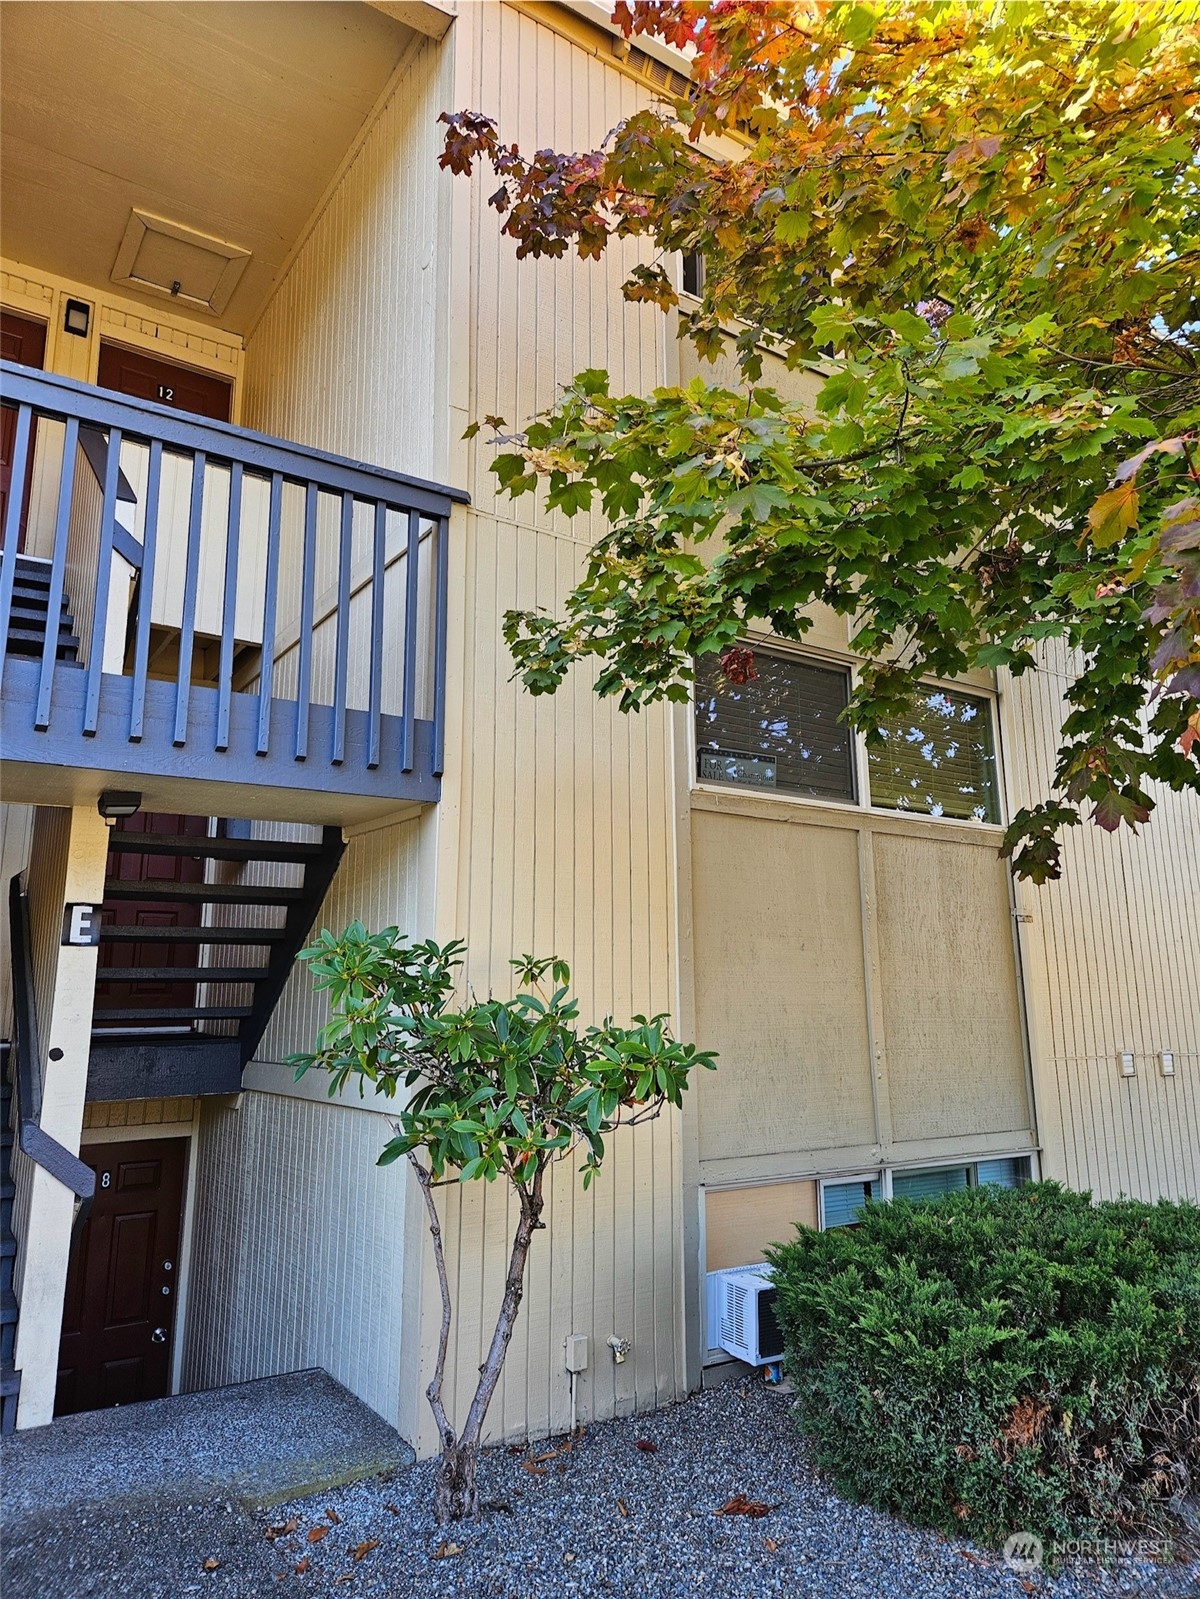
(34, 1142)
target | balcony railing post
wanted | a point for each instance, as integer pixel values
(375, 697)
(440, 626)
(412, 600)
(308, 582)
(341, 643)
(270, 602)
(12, 526)
(108, 516)
(145, 606)
(229, 605)
(58, 566)
(191, 584)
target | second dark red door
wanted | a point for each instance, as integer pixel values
(122, 1284)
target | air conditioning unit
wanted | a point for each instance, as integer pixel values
(741, 1314)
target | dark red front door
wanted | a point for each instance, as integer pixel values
(123, 1279)
(131, 372)
(158, 990)
(23, 340)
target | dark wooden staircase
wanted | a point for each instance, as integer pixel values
(183, 999)
(30, 617)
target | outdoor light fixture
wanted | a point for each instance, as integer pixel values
(1166, 1062)
(78, 318)
(116, 802)
(1126, 1063)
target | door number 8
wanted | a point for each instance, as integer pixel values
(106, 1179)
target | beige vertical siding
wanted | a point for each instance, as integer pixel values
(1112, 953)
(16, 831)
(346, 355)
(298, 1247)
(378, 883)
(555, 828)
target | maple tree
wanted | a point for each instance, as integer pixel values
(977, 227)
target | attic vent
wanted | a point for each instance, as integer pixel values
(194, 269)
(658, 72)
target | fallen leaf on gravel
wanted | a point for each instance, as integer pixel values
(646, 1446)
(622, 1507)
(393, 1510)
(739, 1505)
(282, 1530)
(551, 1454)
(210, 1564)
(445, 1549)
(976, 1560)
(534, 1471)
(772, 1546)
(362, 1550)
(333, 1516)
(315, 1534)
(516, 1449)
(1029, 1587)
(346, 1576)
(302, 1566)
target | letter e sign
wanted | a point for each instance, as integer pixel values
(81, 924)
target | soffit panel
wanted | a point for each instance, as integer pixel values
(227, 118)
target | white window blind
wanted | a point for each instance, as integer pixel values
(940, 759)
(1010, 1172)
(929, 1184)
(779, 731)
(842, 1202)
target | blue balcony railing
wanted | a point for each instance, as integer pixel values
(193, 600)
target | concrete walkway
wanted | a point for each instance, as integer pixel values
(239, 1448)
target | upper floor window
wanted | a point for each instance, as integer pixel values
(939, 758)
(777, 726)
(693, 273)
(777, 730)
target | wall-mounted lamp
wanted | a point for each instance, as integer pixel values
(1166, 1062)
(118, 802)
(77, 318)
(1126, 1064)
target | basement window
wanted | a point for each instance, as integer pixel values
(843, 1198)
(842, 1201)
(778, 730)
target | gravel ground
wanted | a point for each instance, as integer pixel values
(604, 1518)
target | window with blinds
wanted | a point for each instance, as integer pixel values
(939, 759)
(930, 1184)
(780, 730)
(842, 1202)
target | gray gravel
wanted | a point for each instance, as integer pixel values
(562, 1532)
